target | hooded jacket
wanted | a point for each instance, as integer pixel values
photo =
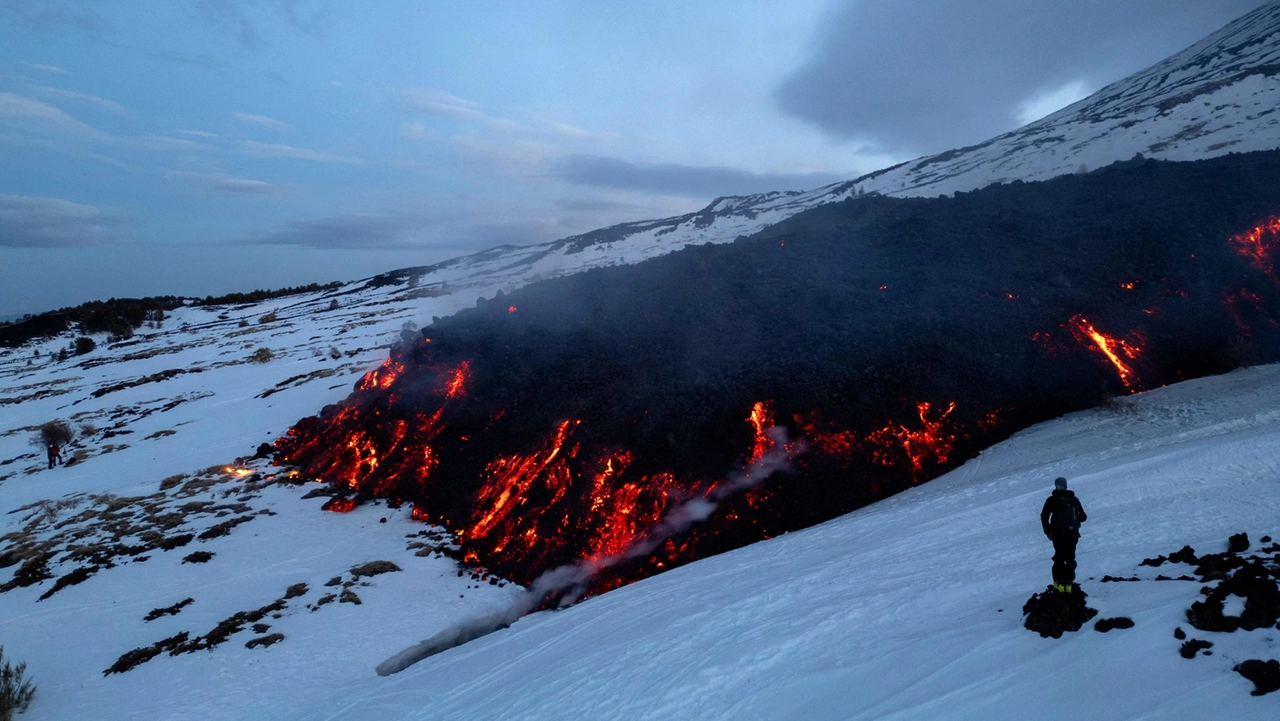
(1058, 512)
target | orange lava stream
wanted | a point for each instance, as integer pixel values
(510, 478)
(928, 443)
(1258, 245)
(1111, 348)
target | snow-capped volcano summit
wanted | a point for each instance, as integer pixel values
(1216, 97)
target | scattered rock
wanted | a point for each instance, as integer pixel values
(1265, 675)
(1052, 613)
(297, 589)
(198, 557)
(261, 627)
(265, 640)
(1194, 646)
(1253, 582)
(374, 568)
(1239, 543)
(1106, 624)
(1179, 634)
(1117, 579)
(349, 596)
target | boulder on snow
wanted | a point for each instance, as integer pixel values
(1239, 543)
(1106, 624)
(1052, 613)
(1253, 582)
(1195, 646)
(1265, 675)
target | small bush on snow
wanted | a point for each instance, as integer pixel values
(53, 433)
(16, 691)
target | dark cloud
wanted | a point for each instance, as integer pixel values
(927, 75)
(681, 180)
(27, 222)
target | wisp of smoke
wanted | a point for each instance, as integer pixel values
(568, 583)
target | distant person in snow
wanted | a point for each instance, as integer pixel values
(1061, 519)
(55, 456)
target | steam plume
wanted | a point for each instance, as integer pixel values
(567, 583)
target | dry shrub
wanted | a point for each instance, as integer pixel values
(262, 355)
(53, 433)
(16, 691)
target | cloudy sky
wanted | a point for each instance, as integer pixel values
(204, 146)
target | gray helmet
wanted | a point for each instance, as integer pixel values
(1060, 483)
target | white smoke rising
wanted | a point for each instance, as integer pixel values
(568, 583)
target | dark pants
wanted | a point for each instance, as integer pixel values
(1064, 557)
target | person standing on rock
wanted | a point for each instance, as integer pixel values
(1061, 519)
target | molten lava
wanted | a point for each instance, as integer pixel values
(929, 444)
(1259, 245)
(1113, 349)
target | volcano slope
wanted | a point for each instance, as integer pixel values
(897, 337)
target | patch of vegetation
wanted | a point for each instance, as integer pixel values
(218, 635)
(138, 656)
(168, 610)
(54, 433)
(262, 355)
(198, 557)
(76, 576)
(265, 641)
(256, 296)
(117, 317)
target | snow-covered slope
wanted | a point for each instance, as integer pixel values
(910, 609)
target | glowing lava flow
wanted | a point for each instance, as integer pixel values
(1111, 348)
(1259, 244)
(932, 442)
